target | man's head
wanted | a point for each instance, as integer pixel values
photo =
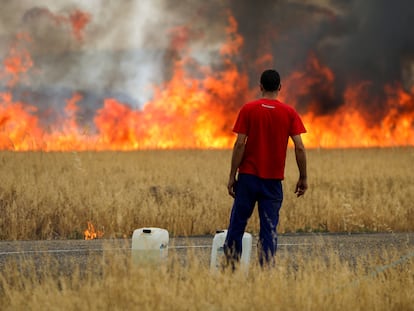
(270, 81)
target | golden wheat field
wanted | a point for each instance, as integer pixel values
(54, 195)
(113, 283)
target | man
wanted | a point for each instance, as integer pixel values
(263, 128)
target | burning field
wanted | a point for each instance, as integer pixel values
(78, 76)
(162, 81)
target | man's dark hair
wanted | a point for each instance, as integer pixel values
(270, 80)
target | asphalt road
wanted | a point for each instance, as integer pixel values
(74, 254)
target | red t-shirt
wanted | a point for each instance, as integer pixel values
(268, 125)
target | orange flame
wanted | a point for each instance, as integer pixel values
(351, 124)
(79, 20)
(188, 112)
(18, 61)
(91, 234)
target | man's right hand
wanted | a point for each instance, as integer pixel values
(230, 186)
(301, 187)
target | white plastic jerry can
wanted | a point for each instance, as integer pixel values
(217, 252)
(149, 245)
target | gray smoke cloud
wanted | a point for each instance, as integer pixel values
(117, 54)
(126, 47)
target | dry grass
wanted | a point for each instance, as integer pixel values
(53, 195)
(316, 282)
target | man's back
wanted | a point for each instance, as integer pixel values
(268, 124)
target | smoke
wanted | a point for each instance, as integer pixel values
(122, 51)
(359, 41)
(123, 48)
(113, 55)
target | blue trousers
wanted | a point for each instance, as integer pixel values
(268, 194)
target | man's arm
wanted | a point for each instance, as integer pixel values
(236, 159)
(300, 154)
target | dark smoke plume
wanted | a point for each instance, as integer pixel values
(369, 40)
